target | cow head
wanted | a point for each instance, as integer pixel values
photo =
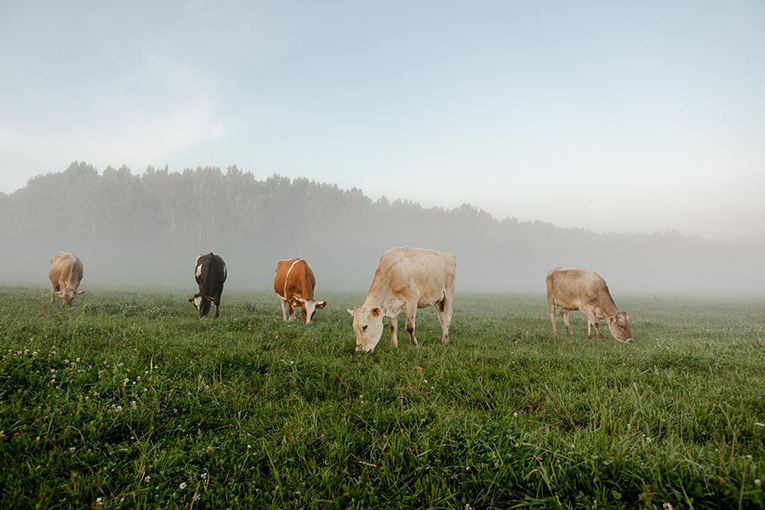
(201, 303)
(68, 294)
(619, 325)
(368, 325)
(308, 307)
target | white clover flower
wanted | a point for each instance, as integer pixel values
(182, 485)
(34, 353)
(757, 481)
(99, 501)
(118, 409)
(203, 476)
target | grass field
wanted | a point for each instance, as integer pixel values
(129, 400)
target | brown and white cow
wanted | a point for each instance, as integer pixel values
(586, 291)
(210, 273)
(294, 283)
(406, 278)
(65, 276)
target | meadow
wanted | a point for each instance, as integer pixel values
(129, 400)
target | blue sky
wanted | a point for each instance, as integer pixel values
(612, 116)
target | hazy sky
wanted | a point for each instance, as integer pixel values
(614, 116)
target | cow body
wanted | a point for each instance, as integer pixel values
(65, 275)
(210, 273)
(586, 291)
(294, 283)
(406, 278)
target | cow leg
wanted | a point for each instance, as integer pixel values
(411, 314)
(393, 323)
(592, 321)
(292, 312)
(52, 292)
(444, 314)
(216, 302)
(596, 325)
(552, 317)
(564, 314)
(284, 309)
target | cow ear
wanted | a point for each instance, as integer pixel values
(320, 304)
(191, 300)
(351, 312)
(612, 319)
(375, 312)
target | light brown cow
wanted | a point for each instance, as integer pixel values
(65, 276)
(408, 278)
(294, 283)
(586, 291)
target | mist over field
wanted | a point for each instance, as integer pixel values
(146, 230)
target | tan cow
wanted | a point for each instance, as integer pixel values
(408, 278)
(586, 291)
(294, 283)
(65, 276)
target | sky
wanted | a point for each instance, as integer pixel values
(611, 116)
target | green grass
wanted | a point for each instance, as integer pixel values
(130, 398)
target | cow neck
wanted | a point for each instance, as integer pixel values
(287, 276)
(379, 292)
(609, 307)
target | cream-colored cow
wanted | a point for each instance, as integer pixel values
(406, 278)
(586, 291)
(65, 276)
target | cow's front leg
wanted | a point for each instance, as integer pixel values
(564, 314)
(216, 302)
(411, 314)
(52, 292)
(596, 325)
(393, 323)
(284, 309)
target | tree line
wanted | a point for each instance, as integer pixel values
(148, 228)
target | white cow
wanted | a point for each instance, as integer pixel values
(408, 278)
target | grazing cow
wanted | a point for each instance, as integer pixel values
(210, 273)
(586, 291)
(408, 278)
(294, 283)
(65, 276)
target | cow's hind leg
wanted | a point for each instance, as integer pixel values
(216, 302)
(564, 314)
(444, 313)
(53, 289)
(552, 316)
(411, 314)
(393, 323)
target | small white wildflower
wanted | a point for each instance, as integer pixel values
(77, 360)
(203, 476)
(118, 409)
(667, 506)
(757, 481)
(99, 501)
(138, 378)
(515, 415)
(182, 485)
(66, 361)
(52, 370)
(34, 353)
(195, 497)
(124, 383)
(248, 447)
(147, 479)
(647, 439)
(72, 448)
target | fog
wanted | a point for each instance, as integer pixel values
(145, 231)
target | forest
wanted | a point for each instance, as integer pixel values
(146, 230)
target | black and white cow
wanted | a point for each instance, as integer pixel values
(210, 273)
